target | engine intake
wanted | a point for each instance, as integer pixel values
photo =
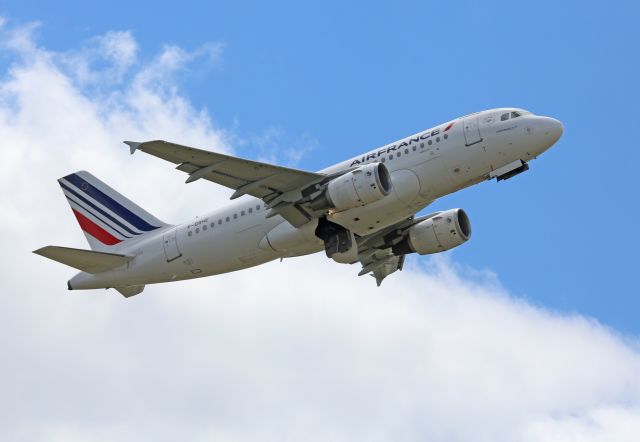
(364, 185)
(444, 231)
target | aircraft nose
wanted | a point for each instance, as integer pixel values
(552, 129)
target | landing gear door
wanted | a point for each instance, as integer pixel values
(170, 242)
(472, 129)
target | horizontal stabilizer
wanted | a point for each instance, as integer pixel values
(86, 260)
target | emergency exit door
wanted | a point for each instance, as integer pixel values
(472, 129)
(170, 242)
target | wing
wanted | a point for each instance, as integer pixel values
(374, 251)
(280, 187)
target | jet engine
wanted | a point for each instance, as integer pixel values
(442, 232)
(359, 187)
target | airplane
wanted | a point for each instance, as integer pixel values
(362, 210)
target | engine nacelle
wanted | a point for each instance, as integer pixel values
(444, 231)
(359, 187)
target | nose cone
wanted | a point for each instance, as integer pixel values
(553, 130)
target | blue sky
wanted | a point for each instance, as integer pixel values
(335, 79)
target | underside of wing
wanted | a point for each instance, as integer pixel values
(381, 264)
(375, 251)
(280, 187)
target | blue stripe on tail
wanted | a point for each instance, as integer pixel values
(73, 201)
(110, 203)
(97, 209)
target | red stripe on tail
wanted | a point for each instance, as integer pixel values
(95, 230)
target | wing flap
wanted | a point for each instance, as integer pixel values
(85, 260)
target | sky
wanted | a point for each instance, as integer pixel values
(527, 332)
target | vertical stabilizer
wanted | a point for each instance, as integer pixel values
(106, 217)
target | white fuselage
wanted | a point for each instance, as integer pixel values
(423, 167)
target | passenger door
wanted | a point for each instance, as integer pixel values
(472, 129)
(170, 243)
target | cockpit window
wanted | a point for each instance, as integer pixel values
(515, 114)
(504, 117)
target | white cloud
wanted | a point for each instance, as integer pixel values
(106, 59)
(299, 350)
(273, 146)
(119, 47)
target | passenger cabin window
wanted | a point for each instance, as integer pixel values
(515, 114)
(504, 117)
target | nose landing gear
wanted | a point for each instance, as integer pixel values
(510, 170)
